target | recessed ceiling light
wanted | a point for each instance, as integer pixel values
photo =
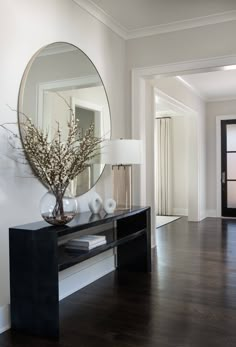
(229, 67)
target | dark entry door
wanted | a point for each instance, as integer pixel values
(228, 167)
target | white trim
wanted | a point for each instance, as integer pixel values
(183, 24)
(83, 274)
(211, 213)
(85, 104)
(219, 99)
(72, 280)
(203, 215)
(4, 318)
(185, 67)
(142, 121)
(98, 131)
(76, 83)
(101, 15)
(180, 212)
(83, 81)
(173, 102)
(98, 111)
(218, 161)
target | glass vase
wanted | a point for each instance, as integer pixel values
(58, 209)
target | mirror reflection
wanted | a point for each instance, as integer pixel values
(60, 78)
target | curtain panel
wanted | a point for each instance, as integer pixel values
(163, 166)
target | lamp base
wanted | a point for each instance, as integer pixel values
(122, 183)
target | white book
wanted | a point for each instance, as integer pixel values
(84, 247)
(87, 240)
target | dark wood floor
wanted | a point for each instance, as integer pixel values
(189, 300)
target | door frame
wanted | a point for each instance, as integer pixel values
(64, 84)
(142, 121)
(218, 162)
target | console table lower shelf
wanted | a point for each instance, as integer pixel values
(38, 253)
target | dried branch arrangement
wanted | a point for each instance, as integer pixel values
(58, 161)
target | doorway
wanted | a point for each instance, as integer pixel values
(143, 124)
(171, 145)
(228, 168)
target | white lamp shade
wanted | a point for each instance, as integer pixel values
(122, 152)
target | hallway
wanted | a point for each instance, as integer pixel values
(188, 301)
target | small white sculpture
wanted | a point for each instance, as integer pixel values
(95, 204)
(109, 206)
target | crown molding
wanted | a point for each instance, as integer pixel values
(127, 34)
(103, 17)
(182, 25)
(220, 99)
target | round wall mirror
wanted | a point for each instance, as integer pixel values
(60, 77)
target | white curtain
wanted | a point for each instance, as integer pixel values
(163, 170)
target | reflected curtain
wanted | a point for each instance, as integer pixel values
(163, 167)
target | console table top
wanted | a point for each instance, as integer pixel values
(82, 221)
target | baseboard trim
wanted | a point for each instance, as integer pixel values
(83, 277)
(204, 214)
(180, 211)
(4, 318)
(72, 280)
(211, 213)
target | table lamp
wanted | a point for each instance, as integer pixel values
(122, 154)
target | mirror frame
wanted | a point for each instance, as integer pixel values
(20, 98)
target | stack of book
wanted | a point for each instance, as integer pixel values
(86, 242)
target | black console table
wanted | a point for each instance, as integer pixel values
(37, 253)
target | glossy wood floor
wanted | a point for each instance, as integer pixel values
(188, 301)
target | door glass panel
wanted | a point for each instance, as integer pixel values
(231, 137)
(231, 194)
(231, 166)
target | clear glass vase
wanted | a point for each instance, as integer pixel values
(57, 209)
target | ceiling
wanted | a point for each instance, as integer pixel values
(137, 18)
(134, 18)
(216, 85)
(136, 14)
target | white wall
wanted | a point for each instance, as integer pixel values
(26, 26)
(214, 109)
(180, 165)
(183, 45)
